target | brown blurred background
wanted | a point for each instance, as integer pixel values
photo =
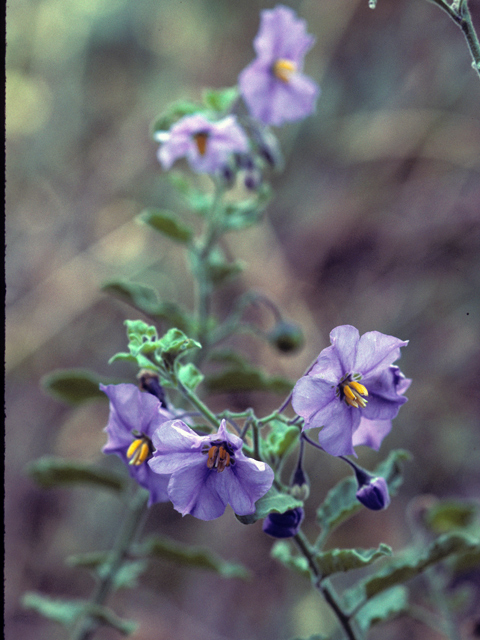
(376, 223)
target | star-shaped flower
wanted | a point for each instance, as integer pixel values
(353, 390)
(134, 416)
(208, 472)
(207, 145)
(273, 86)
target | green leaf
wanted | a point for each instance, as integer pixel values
(246, 378)
(448, 515)
(189, 376)
(197, 200)
(411, 564)
(127, 576)
(167, 223)
(281, 438)
(190, 556)
(50, 471)
(272, 501)
(107, 617)
(220, 99)
(340, 560)
(219, 270)
(174, 112)
(175, 344)
(73, 385)
(138, 295)
(241, 215)
(282, 552)
(65, 612)
(341, 502)
(90, 560)
(385, 606)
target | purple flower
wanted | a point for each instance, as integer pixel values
(374, 494)
(283, 525)
(207, 472)
(273, 86)
(134, 416)
(206, 145)
(331, 395)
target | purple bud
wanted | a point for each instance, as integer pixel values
(283, 525)
(374, 494)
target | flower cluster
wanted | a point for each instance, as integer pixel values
(353, 391)
(274, 90)
(200, 475)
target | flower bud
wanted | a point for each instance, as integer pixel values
(373, 494)
(286, 336)
(283, 525)
(149, 381)
(300, 485)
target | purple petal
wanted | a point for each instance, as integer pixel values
(375, 352)
(311, 396)
(193, 490)
(176, 446)
(345, 339)
(336, 436)
(244, 483)
(371, 433)
(282, 35)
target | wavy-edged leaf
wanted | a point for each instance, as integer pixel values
(50, 471)
(190, 556)
(340, 560)
(73, 386)
(385, 606)
(189, 376)
(281, 437)
(272, 501)
(168, 224)
(282, 552)
(410, 564)
(246, 378)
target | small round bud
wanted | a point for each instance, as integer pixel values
(300, 485)
(374, 494)
(286, 336)
(149, 381)
(283, 525)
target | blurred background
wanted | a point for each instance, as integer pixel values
(376, 223)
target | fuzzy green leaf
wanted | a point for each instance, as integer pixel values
(167, 223)
(410, 564)
(138, 295)
(219, 270)
(282, 552)
(281, 438)
(448, 515)
(73, 386)
(107, 617)
(340, 560)
(272, 501)
(65, 612)
(189, 376)
(241, 215)
(50, 471)
(246, 378)
(174, 112)
(220, 99)
(385, 606)
(190, 556)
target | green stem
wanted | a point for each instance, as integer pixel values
(198, 404)
(461, 16)
(130, 528)
(325, 588)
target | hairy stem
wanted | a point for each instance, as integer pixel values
(325, 588)
(129, 530)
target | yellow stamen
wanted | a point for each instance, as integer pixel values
(283, 69)
(218, 458)
(138, 451)
(353, 392)
(201, 142)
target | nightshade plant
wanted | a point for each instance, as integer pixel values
(176, 449)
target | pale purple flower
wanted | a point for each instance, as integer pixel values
(134, 416)
(207, 145)
(273, 86)
(353, 391)
(208, 472)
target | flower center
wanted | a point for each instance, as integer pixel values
(140, 450)
(201, 141)
(284, 69)
(220, 456)
(353, 393)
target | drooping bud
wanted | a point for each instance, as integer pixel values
(374, 494)
(149, 381)
(283, 525)
(286, 336)
(300, 485)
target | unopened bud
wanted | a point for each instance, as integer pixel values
(283, 525)
(149, 381)
(286, 336)
(373, 494)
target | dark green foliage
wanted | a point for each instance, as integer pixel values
(168, 224)
(340, 560)
(50, 471)
(246, 378)
(385, 606)
(73, 386)
(220, 99)
(272, 501)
